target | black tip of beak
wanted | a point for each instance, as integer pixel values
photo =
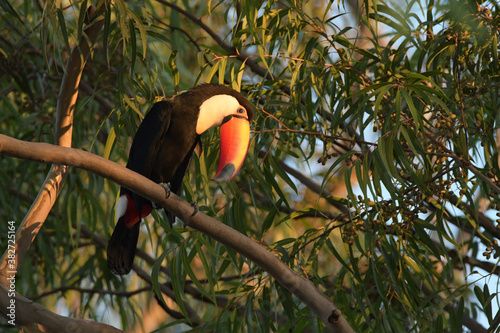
(226, 174)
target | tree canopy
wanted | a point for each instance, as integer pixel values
(373, 167)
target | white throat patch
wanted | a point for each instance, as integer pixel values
(213, 111)
(121, 206)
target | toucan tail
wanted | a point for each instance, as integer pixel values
(121, 247)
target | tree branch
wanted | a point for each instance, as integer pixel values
(299, 286)
(91, 291)
(35, 318)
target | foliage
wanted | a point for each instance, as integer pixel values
(373, 168)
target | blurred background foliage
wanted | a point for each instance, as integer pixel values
(373, 167)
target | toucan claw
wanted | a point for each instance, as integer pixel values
(167, 188)
(196, 208)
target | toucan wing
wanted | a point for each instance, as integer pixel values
(147, 142)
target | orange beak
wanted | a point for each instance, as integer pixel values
(234, 140)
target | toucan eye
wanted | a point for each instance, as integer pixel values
(240, 110)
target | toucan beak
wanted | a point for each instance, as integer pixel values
(234, 140)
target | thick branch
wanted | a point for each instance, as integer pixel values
(299, 286)
(35, 318)
(68, 93)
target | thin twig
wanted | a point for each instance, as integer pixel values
(91, 291)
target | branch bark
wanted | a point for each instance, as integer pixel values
(302, 288)
(35, 318)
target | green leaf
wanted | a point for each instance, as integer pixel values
(7, 7)
(173, 67)
(142, 30)
(278, 169)
(109, 143)
(155, 276)
(414, 113)
(106, 32)
(81, 19)
(133, 44)
(186, 262)
(222, 69)
(262, 54)
(213, 70)
(178, 277)
(62, 24)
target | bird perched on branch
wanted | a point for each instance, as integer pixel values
(162, 149)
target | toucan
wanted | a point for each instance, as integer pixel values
(162, 149)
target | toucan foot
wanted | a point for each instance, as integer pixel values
(167, 188)
(196, 208)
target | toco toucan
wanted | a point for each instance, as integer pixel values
(162, 149)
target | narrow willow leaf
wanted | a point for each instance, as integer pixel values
(187, 267)
(414, 144)
(173, 67)
(361, 180)
(335, 167)
(338, 253)
(7, 7)
(295, 74)
(178, 277)
(81, 18)
(262, 54)
(106, 32)
(239, 77)
(350, 193)
(411, 263)
(270, 217)
(444, 47)
(414, 113)
(155, 276)
(380, 92)
(270, 180)
(132, 105)
(281, 173)
(121, 13)
(205, 176)
(494, 50)
(213, 70)
(367, 174)
(210, 273)
(384, 173)
(222, 69)
(142, 30)
(109, 143)
(132, 44)
(232, 74)
(458, 292)
(408, 167)
(64, 30)
(425, 239)
(386, 156)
